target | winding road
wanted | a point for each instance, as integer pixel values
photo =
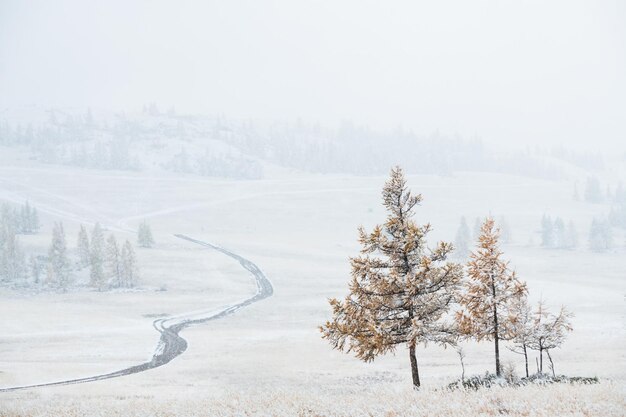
(171, 344)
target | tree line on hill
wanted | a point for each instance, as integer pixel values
(84, 140)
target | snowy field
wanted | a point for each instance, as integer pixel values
(268, 358)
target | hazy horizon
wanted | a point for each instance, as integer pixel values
(501, 71)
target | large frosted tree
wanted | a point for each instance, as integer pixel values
(400, 290)
(492, 289)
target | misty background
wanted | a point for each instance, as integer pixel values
(513, 73)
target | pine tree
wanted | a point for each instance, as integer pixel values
(57, 258)
(34, 221)
(549, 331)
(547, 232)
(12, 261)
(130, 269)
(462, 240)
(96, 272)
(400, 290)
(593, 193)
(113, 262)
(82, 246)
(144, 235)
(600, 235)
(36, 268)
(491, 290)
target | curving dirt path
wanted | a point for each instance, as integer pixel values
(171, 344)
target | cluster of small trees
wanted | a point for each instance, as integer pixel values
(14, 221)
(594, 194)
(23, 219)
(109, 265)
(555, 235)
(404, 293)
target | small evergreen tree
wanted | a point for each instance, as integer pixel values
(491, 291)
(36, 268)
(130, 268)
(144, 235)
(57, 258)
(113, 262)
(82, 246)
(12, 262)
(96, 272)
(600, 235)
(462, 240)
(593, 192)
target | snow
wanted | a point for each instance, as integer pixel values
(269, 356)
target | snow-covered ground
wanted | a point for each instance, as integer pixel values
(300, 229)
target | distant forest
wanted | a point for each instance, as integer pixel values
(219, 147)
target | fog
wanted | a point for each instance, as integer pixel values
(312, 208)
(510, 72)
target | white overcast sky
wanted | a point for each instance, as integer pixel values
(508, 71)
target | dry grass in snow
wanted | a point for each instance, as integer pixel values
(605, 399)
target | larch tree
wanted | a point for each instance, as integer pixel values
(58, 259)
(96, 258)
(113, 262)
(491, 290)
(82, 246)
(130, 268)
(549, 331)
(522, 327)
(400, 289)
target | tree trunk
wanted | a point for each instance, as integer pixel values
(414, 371)
(537, 364)
(551, 363)
(540, 360)
(526, 359)
(495, 328)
